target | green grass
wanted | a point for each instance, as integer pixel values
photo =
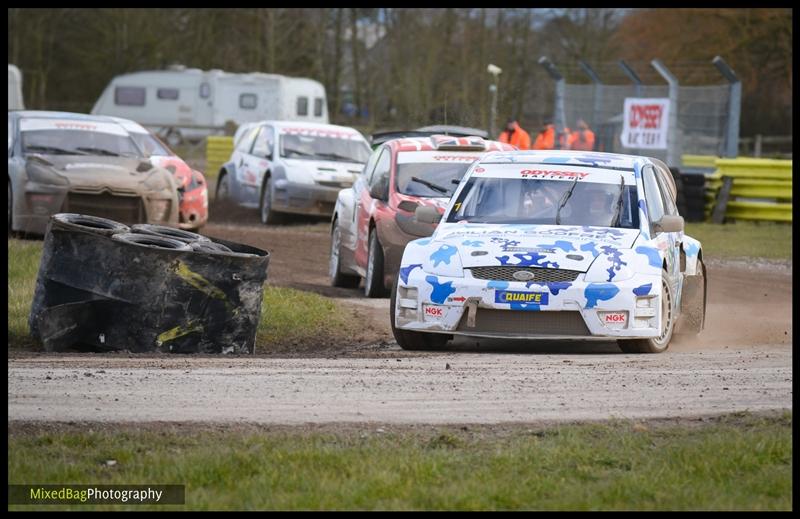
(736, 463)
(23, 265)
(287, 315)
(743, 239)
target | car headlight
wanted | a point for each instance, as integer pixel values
(159, 209)
(606, 264)
(44, 175)
(444, 261)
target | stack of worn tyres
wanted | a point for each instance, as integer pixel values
(104, 286)
(691, 200)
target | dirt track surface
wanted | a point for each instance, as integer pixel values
(436, 389)
(741, 361)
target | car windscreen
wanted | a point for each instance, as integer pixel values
(427, 179)
(150, 145)
(78, 142)
(546, 202)
(323, 147)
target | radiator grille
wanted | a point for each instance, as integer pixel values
(525, 322)
(506, 273)
(125, 209)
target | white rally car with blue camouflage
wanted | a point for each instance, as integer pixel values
(557, 245)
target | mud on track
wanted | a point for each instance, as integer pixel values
(741, 362)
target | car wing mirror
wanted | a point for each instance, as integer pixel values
(380, 190)
(669, 223)
(427, 214)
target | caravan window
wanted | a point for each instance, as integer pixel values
(302, 106)
(167, 93)
(248, 101)
(129, 96)
(205, 90)
(318, 107)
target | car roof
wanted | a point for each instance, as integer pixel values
(567, 157)
(308, 125)
(46, 114)
(448, 142)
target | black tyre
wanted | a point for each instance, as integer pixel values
(338, 278)
(268, 216)
(409, 340)
(661, 343)
(88, 223)
(169, 232)
(223, 188)
(151, 240)
(210, 247)
(373, 282)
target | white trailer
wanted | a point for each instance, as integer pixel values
(193, 103)
(14, 88)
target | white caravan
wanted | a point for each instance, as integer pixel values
(193, 103)
(14, 88)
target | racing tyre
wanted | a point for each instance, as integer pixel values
(373, 282)
(169, 232)
(339, 278)
(268, 216)
(661, 343)
(409, 340)
(223, 189)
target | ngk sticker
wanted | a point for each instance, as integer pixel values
(433, 312)
(615, 320)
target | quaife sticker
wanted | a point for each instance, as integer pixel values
(511, 297)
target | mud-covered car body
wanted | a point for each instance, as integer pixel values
(192, 185)
(400, 175)
(513, 272)
(65, 162)
(291, 167)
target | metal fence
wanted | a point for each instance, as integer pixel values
(706, 121)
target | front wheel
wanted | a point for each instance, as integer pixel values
(223, 188)
(373, 282)
(339, 278)
(409, 340)
(268, 216)
(661, 343)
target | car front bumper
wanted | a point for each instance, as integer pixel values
(38, 202)
(312, 199)
(627, 309)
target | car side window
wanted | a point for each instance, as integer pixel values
(382, 168)
(246, 141)
(652, 194)
(369, 167)
(263, 144)
(666, 196)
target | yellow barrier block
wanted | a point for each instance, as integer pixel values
(741, 210)
(698, 161)
(755, 168)
(218, 150)
(751, 188)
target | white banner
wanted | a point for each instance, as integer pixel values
(646, 123)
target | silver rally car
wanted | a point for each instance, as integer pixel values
(87, 164)
(557, 245)
(291, 167)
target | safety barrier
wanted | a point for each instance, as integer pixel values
(218, 151)
(760, 189)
